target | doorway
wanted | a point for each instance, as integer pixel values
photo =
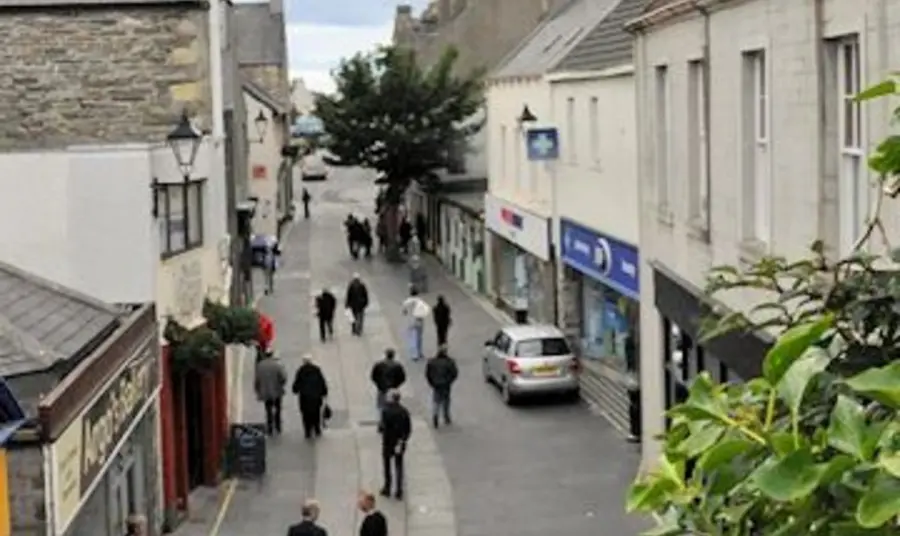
(126, 488)
(192, 386)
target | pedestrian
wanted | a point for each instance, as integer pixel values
(366, 237)
(357, 300)
(269, 386)
(441, 372)
(265, 335)
(271, 259)
(309, 514)
(396, 427)
(416, 311)
(422, 228)
(326, 304)
(442, 320)
(381, 231)
(350, 230)
(136, 525)
(387, 374)
(405, 233)
(306, 198)
(311, 390)
(374, 523)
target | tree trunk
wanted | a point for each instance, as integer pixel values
(390, 216)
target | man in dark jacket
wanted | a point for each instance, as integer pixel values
(269, 386)
(308, 526)
(311, 390)
(326, 303)
(396, 427)
(350, 230)
(442, 321)
(306, 198)
(374, 523)
(357, 300)
(387, 374)
(440, 373)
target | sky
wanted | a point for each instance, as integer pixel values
(321, 32)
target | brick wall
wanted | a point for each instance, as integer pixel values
(26, 491)
(100, 75)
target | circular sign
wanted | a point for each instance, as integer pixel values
(603, 256)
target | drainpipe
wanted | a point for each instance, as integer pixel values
(821, 138)
(215, 73)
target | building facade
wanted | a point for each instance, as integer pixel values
(745, 128)
(269, 171)
(461, 237)
(593, 101)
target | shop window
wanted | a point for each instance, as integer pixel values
(609, 326)
(180, 216)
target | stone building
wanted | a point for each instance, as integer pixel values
(262, 46)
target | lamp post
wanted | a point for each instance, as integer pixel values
(526, 117)
(184, 141)
(261, 123)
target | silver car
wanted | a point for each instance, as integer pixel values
(530, 359)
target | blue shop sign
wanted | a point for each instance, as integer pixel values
(610, 261)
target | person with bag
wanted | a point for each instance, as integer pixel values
(440, 373)
(356, 301)
(416, 311)
(442, 320)
(387, 374)
(396, 427)
(269, 387)
(311, 390)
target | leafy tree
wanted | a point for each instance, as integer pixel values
(812, 447)
(394, 117)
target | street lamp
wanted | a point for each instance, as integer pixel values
(261, 123)
(184, 142)
(526, 117)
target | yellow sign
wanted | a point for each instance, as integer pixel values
(4, 496)
(67, 454)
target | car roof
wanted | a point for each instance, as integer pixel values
(532, 331)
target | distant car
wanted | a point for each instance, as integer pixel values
(313, 167)
(531, 359)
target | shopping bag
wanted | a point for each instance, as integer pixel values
(349, 314)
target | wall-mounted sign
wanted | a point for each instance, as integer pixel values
(519, 226)
(610, 261)
(259, 171)
(82, 452)
(188, 289)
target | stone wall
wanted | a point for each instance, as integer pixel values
(272, 78)
(25, 468)
(100, 75)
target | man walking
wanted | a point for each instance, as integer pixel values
(442, 320)
(309, 514)
(396, 427)
(350, 230)
(357, 300)
(271, 258)
(440, 373)
(269, 386)
(387, 374)
(306, 198)
(311, 390)
(326, 303)
(416, 311)
(374, 523)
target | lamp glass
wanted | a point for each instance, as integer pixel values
(261, 123)
(184, 141)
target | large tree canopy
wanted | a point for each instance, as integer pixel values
(391, 115)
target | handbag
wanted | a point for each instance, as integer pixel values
(326, 412)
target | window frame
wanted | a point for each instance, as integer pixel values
(571, 142)
(698, 143)
(594, 129)
(164, 205)
(662, 138)
(852, 171)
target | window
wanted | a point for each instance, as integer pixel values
(180, 208)
(594, 125)
(698, 145)
(570, 141)
(550, 347)
(853, 189)
(757, 217)
(662, 137)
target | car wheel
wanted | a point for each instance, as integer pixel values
(486, 372)
(574, 396)
(508, 398)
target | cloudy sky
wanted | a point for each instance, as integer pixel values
(321, 32)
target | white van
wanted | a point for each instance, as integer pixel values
(313, 166)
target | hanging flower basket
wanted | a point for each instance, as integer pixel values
(233, 325)
(193, 349)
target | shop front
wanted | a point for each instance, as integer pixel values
(602, 312)
(101, 446)
(462, 252)
(522, 279)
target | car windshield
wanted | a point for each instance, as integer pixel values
(542, 347)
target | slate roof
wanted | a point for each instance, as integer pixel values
(551, 41)
(608, 44)
(261, 95)
(259, 34)
(79, 3)
(42, 323)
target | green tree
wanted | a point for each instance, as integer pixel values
(394, 117)
(812, 447)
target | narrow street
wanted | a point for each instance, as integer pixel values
(529, 470)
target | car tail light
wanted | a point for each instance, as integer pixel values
(574, 366)
(512, 367)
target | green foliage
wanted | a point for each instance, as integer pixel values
(195, 348)
(233, 325)
(812, 447)
(392, 116)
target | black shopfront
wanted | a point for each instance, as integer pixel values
(734, 357)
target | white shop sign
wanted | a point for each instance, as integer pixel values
(521, 227)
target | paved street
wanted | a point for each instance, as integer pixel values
(497, 471)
